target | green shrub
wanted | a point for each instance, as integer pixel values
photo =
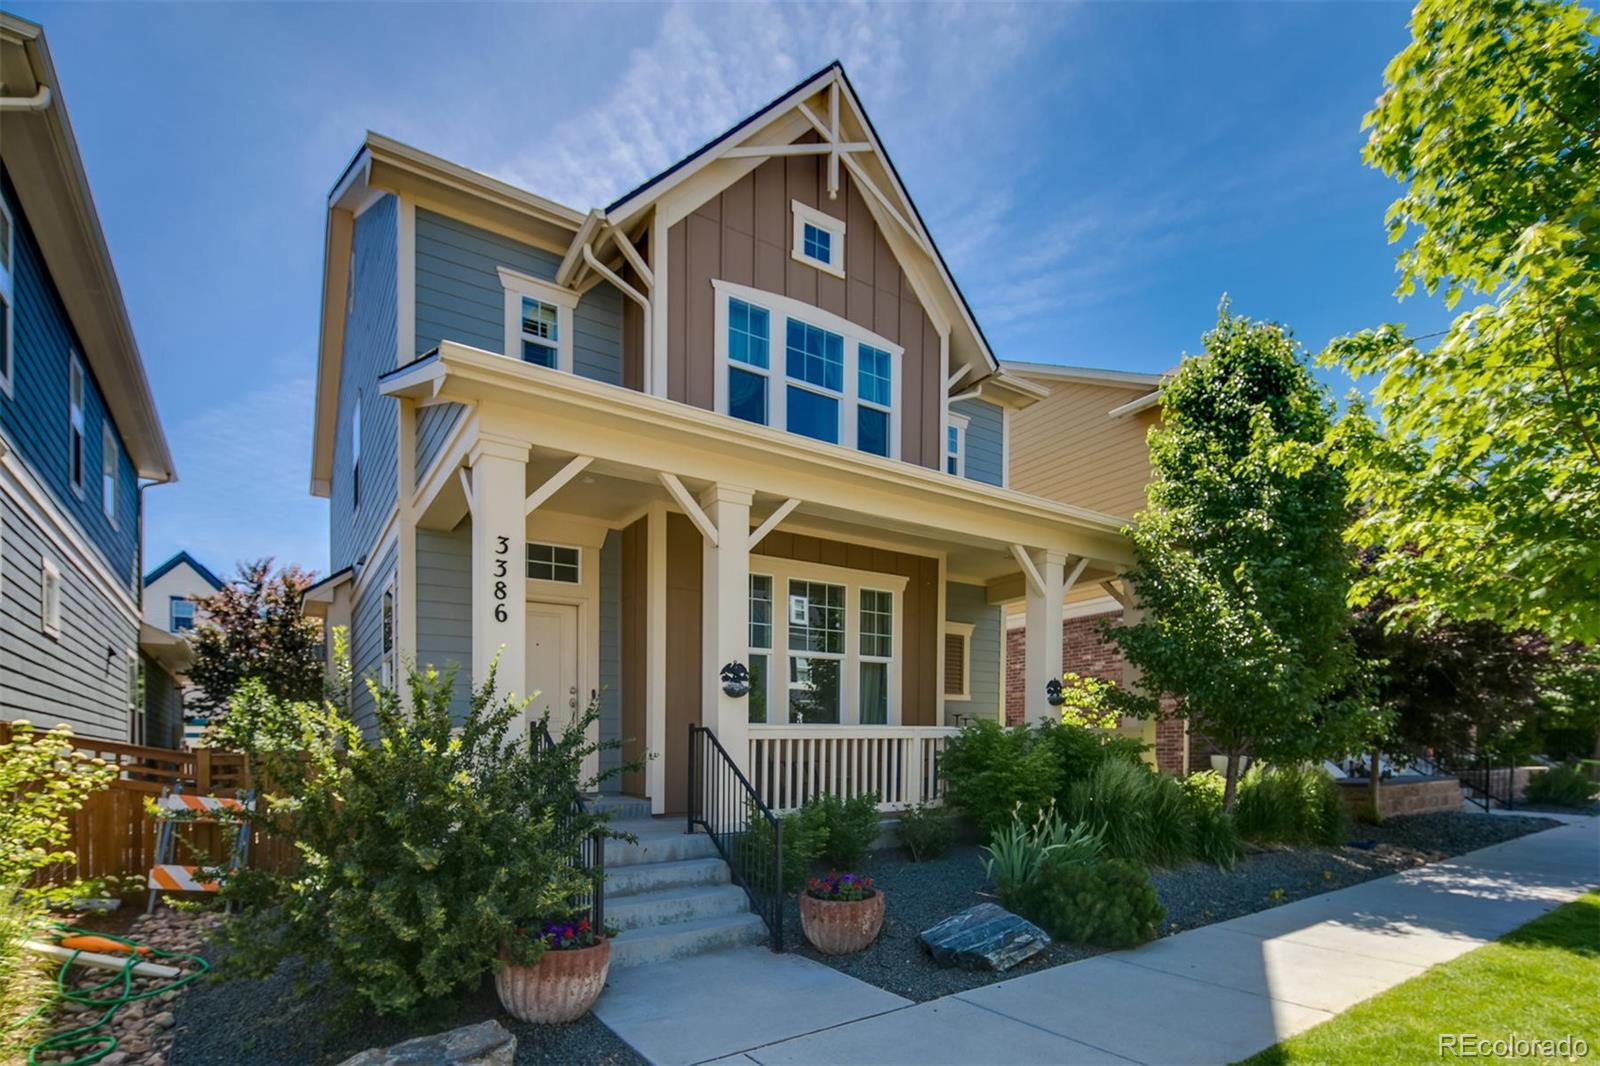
(926, 832)
(849, 827)
(1563, 786)
(1141, 815)
(804, 837)
(1216, 837)
(1078, 749)
(989, 770)
(1109, 903)
(1290, 805)
(1017, 852)
(44, 780)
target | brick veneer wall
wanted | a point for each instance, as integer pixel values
(1083, 651)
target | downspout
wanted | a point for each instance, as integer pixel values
(37, 102)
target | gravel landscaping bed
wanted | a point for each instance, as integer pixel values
(272, 1022)
(922, 894)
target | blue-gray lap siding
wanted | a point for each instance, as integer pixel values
(460, 298)
(985, 440)
(366, 637)
(970, 604)
(163, 706)
(611, 656)
(370, 340)
(37, 415)
(444, 606)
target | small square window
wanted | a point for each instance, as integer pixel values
(818, 239)
(553, 562)
(817, 244)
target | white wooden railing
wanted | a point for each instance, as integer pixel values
(790, 764)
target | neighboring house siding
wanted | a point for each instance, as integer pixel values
(80, 677)
(611, 655)
(443, 602)
(744, 235)
(1067, 447)
(985, 445)
(181, 581)
(370, 338)
(970, 604)
(36, 416)
(366, 638)
(163, 706)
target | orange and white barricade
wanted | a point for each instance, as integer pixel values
(174, 808)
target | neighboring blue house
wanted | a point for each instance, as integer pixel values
(79, 433)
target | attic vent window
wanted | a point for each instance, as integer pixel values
(818, 239)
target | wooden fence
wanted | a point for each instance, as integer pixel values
(113, 835)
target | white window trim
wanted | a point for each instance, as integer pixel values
(50, 598)
(964, 631)
(779, 310)
(804, 214)
(958, 423)
(565, 301)
(526, 563)
(138, 701)
(110, 453)
(77, 423)
(782, 571)
(8, 269)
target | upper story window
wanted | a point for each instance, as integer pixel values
(538, 320)
(387, 657)
(554, 562)
(180, 614)
(50, 598)
(955, 446)
(109, 454)
(7, 301)
(75, 422)
(355, 455)
(836, 382)
(818, 239)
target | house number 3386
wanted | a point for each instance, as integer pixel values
(502, 550)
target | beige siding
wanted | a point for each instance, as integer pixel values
(1067, 447)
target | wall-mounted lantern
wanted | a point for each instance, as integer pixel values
(736, 680)
(1053, 694)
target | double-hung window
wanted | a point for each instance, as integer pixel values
(180, 613)
(955, 446)
(355, 454)
(832, 381)
(387, 620)
(109, 456)
(877, 655)
(760, 644)
(816, 651)
(7, 299)
(538, 320)
(75, 422)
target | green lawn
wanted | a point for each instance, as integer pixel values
(1542, 981)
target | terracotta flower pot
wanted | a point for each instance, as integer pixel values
(559, 988)
(841, 927)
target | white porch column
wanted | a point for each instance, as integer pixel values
(499, 562)
(1043, 634)
(725, 616)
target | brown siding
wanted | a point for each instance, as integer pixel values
(635, 622)
(633, 325)
(743, 235)
(684, 562)
(919, 669)
(1067, 447)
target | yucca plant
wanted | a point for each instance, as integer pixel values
(1019, 849)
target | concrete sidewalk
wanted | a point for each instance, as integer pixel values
(1215, 994)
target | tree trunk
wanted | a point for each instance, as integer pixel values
(1230, 781)
(1374, 782)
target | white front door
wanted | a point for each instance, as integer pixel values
(553, 663)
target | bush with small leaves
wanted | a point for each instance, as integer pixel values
(989, 769)
(926, 832)
(1108, 903)
(849, 826)
(1562, 786)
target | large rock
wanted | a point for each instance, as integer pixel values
(985, 937)
(484, 1044)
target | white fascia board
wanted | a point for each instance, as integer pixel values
(1087, 375)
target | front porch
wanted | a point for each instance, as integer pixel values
(666, 544)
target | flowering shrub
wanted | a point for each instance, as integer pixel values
(841, 888)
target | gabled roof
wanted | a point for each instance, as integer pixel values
(41, 156)
(183, 558)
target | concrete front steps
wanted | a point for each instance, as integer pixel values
(670, 893)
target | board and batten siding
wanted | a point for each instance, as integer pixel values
(366, 638)
(1067, 447)
(985, 442)
(745, 235)
(36, 417)
(443, 603)
(370, 337)
(970, 604)
(611, 656)
(79, 677)
(459, 298)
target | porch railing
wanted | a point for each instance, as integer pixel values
(790, 764)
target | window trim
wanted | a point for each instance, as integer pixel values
(355, 455)
(527, 545)
(805, 214)
(172, 618)
(49, 598)
(964, 630)
(110, 456)
(8, 269)
(780, 309)
(565, 301)
(781, 572)
(959, 423)
(77, 423)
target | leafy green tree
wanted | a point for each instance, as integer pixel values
(1240, 561)
(1478, 465)
(253, 628)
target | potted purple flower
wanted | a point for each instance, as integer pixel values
(841, 913)
(553, 971)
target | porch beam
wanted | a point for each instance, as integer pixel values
(696, 515)
(557, 481)
(1031, 572)
(760, 532)
(1074, 574)
(631, 254)
(1115, 593)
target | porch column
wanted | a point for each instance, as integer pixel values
(1043, 633)
(499, 562)
(725, 616)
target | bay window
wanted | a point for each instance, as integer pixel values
(836, 382)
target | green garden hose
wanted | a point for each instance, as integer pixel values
(85, 1036)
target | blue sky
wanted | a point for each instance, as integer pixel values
(1097, 176)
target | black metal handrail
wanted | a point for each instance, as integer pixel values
(747, 835)
(590, 854)
(1476, 772)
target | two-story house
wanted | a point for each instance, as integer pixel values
(79, 433)
(741, 416)
(170, 612)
